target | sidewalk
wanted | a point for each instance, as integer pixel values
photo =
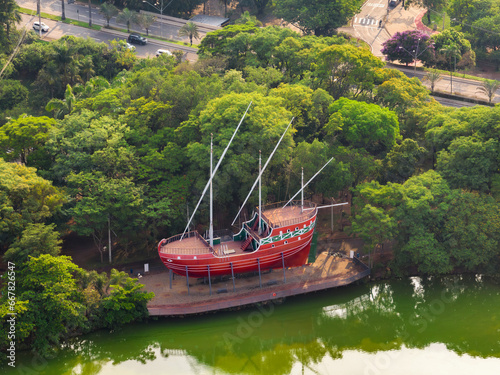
(401, 19)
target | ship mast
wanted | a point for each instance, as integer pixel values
(260, 190)
(303, 186)
(302, 192)
(214, 172)
(261, 172)
(211, 228)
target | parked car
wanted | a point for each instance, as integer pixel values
(393, 3)
(37, 25)
(163, 52)
(137, 39)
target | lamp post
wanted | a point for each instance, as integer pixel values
(159, 9)
(415, 53)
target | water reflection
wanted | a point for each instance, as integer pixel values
(303, 334)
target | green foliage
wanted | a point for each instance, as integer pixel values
(318, 17)
(126, 302)
(12, 93)
(438, 228)
(35, 240)
(402, 161)
(469, 163)
(190, 30)
(56, 300)
(450, 44)
(400, 94)
(23, 137)
(309, 108)
(25, 198)
(363, 125)
(344, 69)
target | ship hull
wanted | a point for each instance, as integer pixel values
(290, 250)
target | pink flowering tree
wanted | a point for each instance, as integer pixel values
(408, 46)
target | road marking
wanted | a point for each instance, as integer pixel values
(366, 21)
(375, 5)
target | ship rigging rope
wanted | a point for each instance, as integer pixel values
(213, 174)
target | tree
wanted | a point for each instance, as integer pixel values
(408, 46)
(317, 16)
(246, 17)
(402, 161)
(12, 92)
(145, 21)
(363, 125)
(109, 11)
(9, 16)
(25, 198)
(62, 107)
(127, 16)
(55, 301)
(259, 5)
(489, 87)
(126, 302)
(101, 199)
(433, 76)
(400, 94)
(451, 51)
(430, 5)
(36, 239)
(190, 30)
(23, 136)
(469, 163)
(447, 38)
(344, 69)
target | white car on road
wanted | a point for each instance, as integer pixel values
(37, 26)
(163, 52)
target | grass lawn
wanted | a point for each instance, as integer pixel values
(437, 19)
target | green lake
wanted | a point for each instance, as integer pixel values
(447, 325)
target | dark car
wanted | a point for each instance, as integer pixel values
(393, 3)
(137, 39)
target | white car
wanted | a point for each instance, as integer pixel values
(163, 52)
(37, 26)
(130, 47)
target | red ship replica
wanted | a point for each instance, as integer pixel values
(278, 235)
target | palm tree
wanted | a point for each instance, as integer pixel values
(190, 30)
(451, 51)
(9, 15)
(87, 67)
(247, 17)
(62, 107)
(127, 16)
(489, 87)
(145, 21)
(108, 11)
(433, 76)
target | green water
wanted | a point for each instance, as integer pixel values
(413, 326)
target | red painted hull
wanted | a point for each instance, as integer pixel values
(293, 251)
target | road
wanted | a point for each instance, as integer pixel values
(461, 86)
(80, 11)
(59, 29)
(366, 25)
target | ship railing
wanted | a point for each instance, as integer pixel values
(309, 212)
(203, 248)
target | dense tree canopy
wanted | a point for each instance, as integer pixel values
(317, 16)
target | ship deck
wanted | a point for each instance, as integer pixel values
(279, 217)
(198, 246)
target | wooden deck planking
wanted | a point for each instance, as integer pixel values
(327, 272)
